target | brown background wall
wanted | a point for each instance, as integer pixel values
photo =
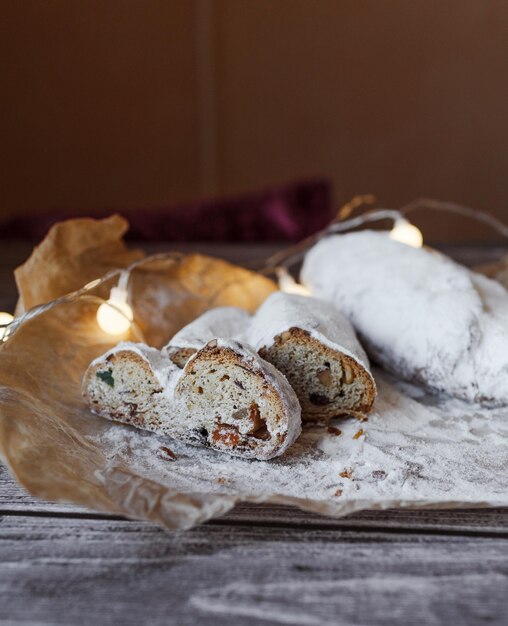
(123, 103)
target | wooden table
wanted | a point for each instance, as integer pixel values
(62, 564)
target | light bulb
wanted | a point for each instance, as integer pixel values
(289, 285)
(115, 316)
(5, 318)
(406, 233)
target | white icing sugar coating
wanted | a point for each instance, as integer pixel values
(164, 369)
(227, 321)
(418, 313)
(281, 311)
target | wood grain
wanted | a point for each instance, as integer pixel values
(112, 572)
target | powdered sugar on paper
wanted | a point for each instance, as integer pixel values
(416, 450)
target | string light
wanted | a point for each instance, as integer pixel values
(117, 301)
(5, 320)
(115, 316)
(289, 285)
(407, 233)
(292, 255)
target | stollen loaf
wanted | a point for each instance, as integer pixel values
(419, 314)
(225, 397)
(306, 339)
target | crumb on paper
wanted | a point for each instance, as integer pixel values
(359, 434)
(334, 431)
(338, 492)
(347, 473)
(166, 454)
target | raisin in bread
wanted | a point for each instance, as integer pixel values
(226, 397)
(419, 314)
(306, 339)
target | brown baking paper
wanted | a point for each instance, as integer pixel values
(415, 450)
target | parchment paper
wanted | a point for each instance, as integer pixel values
(414, 450)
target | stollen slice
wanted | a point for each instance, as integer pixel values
(243, 404)
(316, 348)
(226, 397)
(132, 383)
(306, 339)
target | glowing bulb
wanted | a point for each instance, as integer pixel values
(115, 316)
(406, 233)
(5, 318)
(289, 285)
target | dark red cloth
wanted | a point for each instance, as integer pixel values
(286, 213)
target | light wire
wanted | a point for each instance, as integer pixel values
(283, 259)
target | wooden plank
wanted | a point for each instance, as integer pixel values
(14, 500)
(465, 521)
(73, 572)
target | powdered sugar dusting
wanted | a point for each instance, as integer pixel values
(418, 313)
(278, 313)
(415, 449)
(323, 321)
(226, 321)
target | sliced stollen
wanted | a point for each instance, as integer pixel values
(316, 348)
(226, 397)
(132, 383)
(418, 313)
(243, 404)
(306, 339)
